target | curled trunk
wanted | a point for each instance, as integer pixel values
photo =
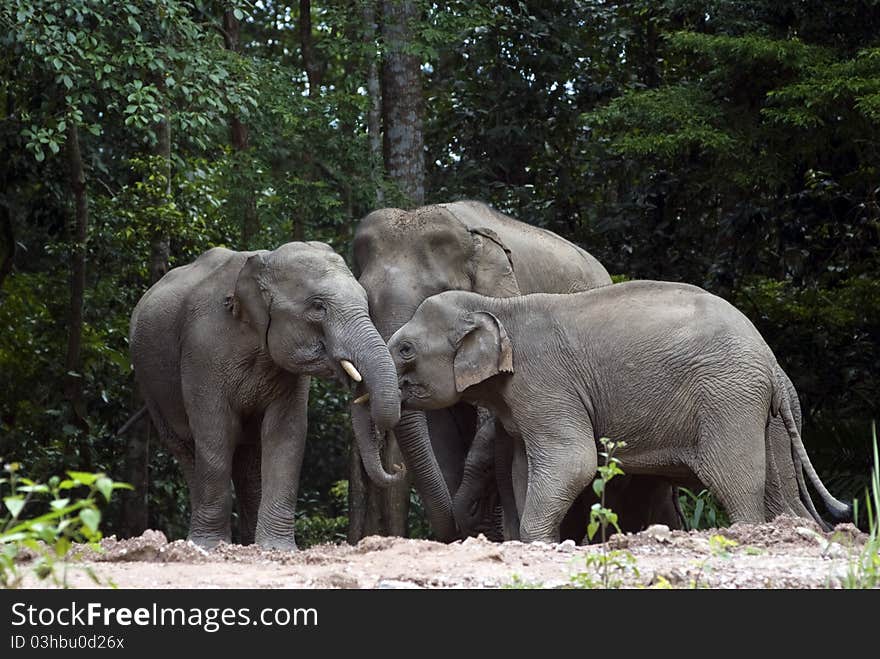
(359, 342)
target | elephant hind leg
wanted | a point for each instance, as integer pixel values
(248, 487)
(731, 463)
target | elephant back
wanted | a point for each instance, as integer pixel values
(543, 261)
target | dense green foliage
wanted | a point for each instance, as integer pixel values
(733, 145)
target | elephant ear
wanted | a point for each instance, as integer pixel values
(482, 350)
(492, 265)
(251, 300)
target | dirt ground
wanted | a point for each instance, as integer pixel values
(787, 553)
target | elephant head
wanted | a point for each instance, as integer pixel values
(445, 349)
(303, 309)
(404, 257)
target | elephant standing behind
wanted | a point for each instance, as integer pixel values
(223, 349)
(402, 258)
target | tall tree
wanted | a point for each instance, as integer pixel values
(402, 101)
(238, 131)
(78, 234)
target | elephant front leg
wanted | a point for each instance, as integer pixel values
(504, 478)
(560, 466)
(246, 479)
(215, 435)
(283, 445)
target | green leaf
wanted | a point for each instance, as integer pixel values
(598, 486)
(14, 505)
(58, 504)
(62, 546)
(83, 477)
(592, 527)
(71, 38)
(105, 487)
(91, 518)
(39, 489)
(238, 13)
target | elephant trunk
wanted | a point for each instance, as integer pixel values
(360, 343)
(415, 445)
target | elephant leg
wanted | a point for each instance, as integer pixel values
(246, 479)
(560, 467)
(283, 438)
(732, 464)
(519, 473)
(504, 480)
(215, 434)
(475, 501)
(452, 431)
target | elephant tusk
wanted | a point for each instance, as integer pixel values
(361, 399)
(349, 368)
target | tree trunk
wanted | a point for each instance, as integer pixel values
(402, 102)
(7, 242)
(160, 246)
(242, 197)
(313, 69)
(374, 93)
(385, 511)
(77, 234)
(135, 504)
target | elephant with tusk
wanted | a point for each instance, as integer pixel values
(401, 258)
(223, 350)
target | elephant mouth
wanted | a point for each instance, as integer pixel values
(414, 396)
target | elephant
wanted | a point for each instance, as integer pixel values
(401, 258)
(785, 491)
(223, 350)
(678, 374)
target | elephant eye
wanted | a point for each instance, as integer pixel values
(317, 308)
(406, 350)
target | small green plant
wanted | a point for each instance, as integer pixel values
(701, 510)
(610, 566)
(864, 568)
(51, 534)
(719, 547)
(518, 583)
(600, 515)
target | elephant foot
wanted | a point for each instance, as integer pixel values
(206, 542)
(280, 544)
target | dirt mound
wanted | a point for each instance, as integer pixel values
(786, 553)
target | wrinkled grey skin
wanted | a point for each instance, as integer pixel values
(222, 351)
(403, 257)
(645, 500)
(678, 374)
(488, 468)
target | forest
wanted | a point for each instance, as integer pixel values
(731, 144)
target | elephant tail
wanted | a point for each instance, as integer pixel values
(838, 510)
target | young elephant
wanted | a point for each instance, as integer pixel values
(679, 374)
(223, 349)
